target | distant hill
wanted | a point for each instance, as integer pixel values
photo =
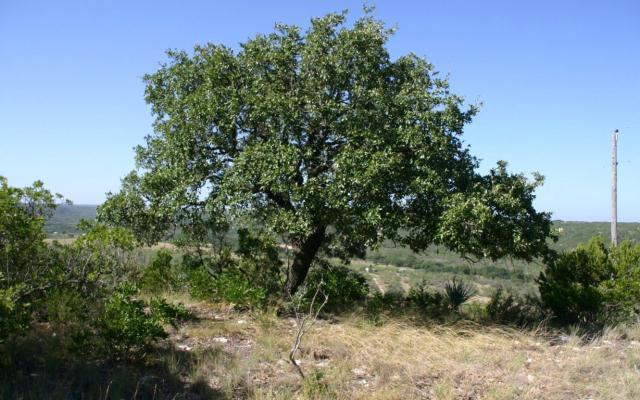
(66, 217)
(572, 233)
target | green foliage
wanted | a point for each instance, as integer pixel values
(508, 308)
(234, 286)
(223, 278)
(169, 313)
(569, 285)
(320, 137)
(427, 302)
(344, 287)
(497, 218)
(593, 284)
(250, 278)
(260, 260)
(316, 386)
(23, 253)
(380, 305)
(160, 274)
(622, 291)
(67, 309)
(457, 292)
(14, 315)
(128, 326)
(421, 301)
(76, 289)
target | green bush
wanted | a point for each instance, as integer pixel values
(593, 284)
(202, 272)
(622, 291)
(383, 303)
(250, 279)
(508, 308)
(570, 284)
(14, 315)
(222, 278)
(66, 308)
(129, 326)
(344, 287)
(169, 313)
(159, 275)
(427, 302)
(234, 286)
(259, 260)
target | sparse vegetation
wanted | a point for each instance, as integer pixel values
(309, 180)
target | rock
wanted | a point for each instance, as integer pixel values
(558, 340)
(220, 339)
(359, 372)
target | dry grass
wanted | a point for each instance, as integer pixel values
(245, 356)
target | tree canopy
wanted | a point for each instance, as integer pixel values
(321, 138)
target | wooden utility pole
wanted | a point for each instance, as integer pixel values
(614, 188)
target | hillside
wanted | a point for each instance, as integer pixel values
(66, 217)
(392, 268)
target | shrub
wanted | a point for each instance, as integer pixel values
(508, 308)
(128, 326)
(169, 313)
(593, 284)
(66, 309)
(202, 272)
(14, 315)
(344, 287)
(251, 279)
(457, 292)
(570, 283)
(222, 278)
(159, 274)
(381, 303)
(621, 291)
(426, 302)
(259, 260)
(234, 286)
(125, 327)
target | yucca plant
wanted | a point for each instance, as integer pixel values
(458, 292)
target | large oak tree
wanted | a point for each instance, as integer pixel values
(321, 137)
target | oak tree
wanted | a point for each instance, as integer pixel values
(319, 136)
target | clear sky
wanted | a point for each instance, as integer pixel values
(555, 78)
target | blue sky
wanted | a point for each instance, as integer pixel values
(555, 78)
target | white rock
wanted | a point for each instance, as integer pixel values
(358, 371)
(220, 339)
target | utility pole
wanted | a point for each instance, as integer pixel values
(614, 188)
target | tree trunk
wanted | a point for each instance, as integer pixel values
(302, 261)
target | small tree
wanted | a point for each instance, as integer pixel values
(322, 138)
(22, 216)
(593, 283)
